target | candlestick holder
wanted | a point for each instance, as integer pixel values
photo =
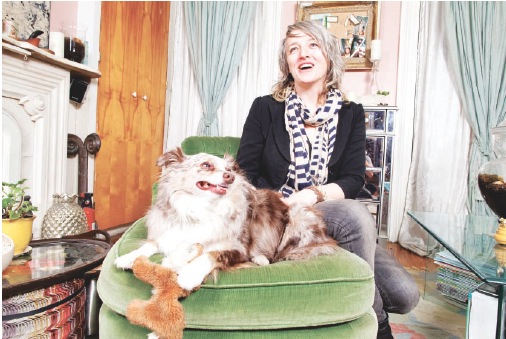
(374, 86)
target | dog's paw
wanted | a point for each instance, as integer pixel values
(125, 262)
(260, 260)
(188, 279)
(153, 335)
(169, 262)
(192, 275)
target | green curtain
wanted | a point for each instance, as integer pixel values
(217, 33)
(476, 46)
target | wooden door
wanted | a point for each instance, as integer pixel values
(131, 104)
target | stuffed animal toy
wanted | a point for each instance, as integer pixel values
(163, 313)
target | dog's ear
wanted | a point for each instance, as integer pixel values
(171, 157)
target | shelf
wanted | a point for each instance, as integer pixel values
(26, 49)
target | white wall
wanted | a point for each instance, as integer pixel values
(82, 117)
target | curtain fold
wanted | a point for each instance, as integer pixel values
(217, 34)
(257, 73)
(438, 170)
(477, 53)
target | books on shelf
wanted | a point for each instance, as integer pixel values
(454, 280)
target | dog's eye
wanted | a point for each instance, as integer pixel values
(207, 165)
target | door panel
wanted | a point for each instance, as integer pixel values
(133, 59)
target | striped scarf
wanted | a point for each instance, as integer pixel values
(309, 162)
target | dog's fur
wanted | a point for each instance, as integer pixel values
(203, 199)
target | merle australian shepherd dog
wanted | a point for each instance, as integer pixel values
(208, 217)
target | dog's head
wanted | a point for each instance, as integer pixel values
(198, 174)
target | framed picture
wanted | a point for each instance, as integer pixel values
(354, 23)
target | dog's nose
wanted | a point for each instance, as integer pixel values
(228, 177)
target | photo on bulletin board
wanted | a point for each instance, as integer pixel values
(354, 23)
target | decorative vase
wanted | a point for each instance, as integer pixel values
(20, 231)
(64, 218)
(492, 180)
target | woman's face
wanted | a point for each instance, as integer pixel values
(305, 59)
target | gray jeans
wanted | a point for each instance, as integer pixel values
(352, 225)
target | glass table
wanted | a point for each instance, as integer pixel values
(52, 261)
(44, 290)
(471, 240)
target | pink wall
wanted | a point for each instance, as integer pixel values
(356, 81)
(62, 11)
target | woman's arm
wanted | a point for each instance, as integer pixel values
(351, 171)
(251, 146)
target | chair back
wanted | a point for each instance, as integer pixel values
(217, 146)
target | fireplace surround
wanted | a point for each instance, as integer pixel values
(35, 110)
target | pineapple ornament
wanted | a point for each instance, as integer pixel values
(65, 217)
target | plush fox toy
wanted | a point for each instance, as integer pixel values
(163, 313)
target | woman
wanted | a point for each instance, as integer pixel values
(309, 144)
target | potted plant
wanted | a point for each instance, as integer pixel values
(384, 94)
(17, 214)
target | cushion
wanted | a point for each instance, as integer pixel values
(316, 292)
(114, 325)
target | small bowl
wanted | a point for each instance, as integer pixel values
(7, 251)
(34, 41)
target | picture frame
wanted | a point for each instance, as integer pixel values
(354, 23)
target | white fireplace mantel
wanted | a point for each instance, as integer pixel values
(35, 106)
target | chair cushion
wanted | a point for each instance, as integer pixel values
(320, 291)
(114, 325)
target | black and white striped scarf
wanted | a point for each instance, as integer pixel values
(308, 164)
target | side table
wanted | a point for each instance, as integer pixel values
(470, 239)
(43, 290)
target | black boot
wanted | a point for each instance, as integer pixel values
(384, 330)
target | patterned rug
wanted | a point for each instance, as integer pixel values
(434, 317)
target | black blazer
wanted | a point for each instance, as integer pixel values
(264, 150)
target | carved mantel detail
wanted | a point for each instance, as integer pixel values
(34, 106)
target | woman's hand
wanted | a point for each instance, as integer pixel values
(304, 197)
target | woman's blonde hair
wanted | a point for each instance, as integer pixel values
(330, 47)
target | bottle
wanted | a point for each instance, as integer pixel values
(89, 211)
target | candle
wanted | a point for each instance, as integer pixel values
(376, 50)
(56, 43)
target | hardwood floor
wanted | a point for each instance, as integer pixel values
(435, 316)
(408, 258)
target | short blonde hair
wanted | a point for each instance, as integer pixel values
(330, 47)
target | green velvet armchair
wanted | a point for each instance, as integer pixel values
(324, 297)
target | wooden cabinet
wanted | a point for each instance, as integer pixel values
(131, 107)
(380, 141)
